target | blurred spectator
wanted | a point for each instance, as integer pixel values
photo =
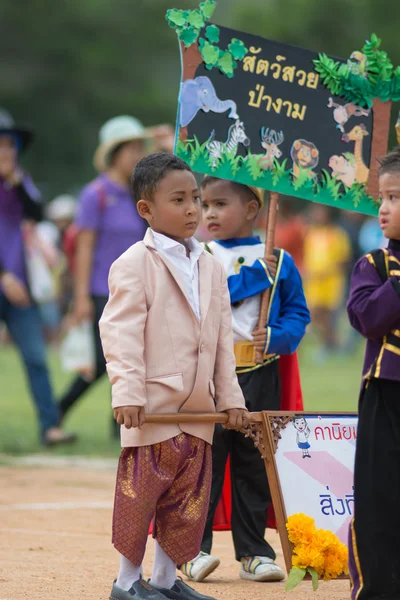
(351, 222)
(290, 232)
(327, 253)
(162, 138)
(61, 214)
(371, 236)
(19, 201)
(108, 224)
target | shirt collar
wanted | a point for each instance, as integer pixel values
(163, 242)
(244, 241)
(394, 245)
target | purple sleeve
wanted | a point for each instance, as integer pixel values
(88, 215)
(373, 307)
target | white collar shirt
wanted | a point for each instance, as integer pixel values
(186, 266)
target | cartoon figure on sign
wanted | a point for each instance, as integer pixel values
(236, 136)
(358, 63)
(303, 434)
(344, 168)
(357, 135)
(199, 94)
(342, 113)
(305, 155)
(270, 141)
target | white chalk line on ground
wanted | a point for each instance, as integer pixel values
(40, 532)
(57, 506)
(77, 462)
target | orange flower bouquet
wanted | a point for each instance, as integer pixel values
(316, 551)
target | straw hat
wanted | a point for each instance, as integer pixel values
(62, 207)
(114, 132)
(259, 193)
(7, 127)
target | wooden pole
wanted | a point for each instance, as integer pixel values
(269, 248)
(398, 129)
(380, 137)
(195, 418)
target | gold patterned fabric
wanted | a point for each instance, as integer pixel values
(169, 482)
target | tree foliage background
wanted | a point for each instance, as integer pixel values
(68, 65)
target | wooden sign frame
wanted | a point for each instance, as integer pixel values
(265, 430)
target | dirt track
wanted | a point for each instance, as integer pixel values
(55, 542)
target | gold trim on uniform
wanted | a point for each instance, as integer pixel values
(356, 559)
(264, 264)
(379, 361)
(392, 348)
(278, 272)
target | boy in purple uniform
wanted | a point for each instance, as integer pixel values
(374, 311)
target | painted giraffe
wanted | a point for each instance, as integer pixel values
(357, 135)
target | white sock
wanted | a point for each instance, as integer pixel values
(128, 573)
(164, 570)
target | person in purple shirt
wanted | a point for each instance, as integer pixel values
(19, 201)
(108, 224)
(374, 311)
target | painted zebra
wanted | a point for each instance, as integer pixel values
(236, 136)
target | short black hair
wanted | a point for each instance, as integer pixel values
(243, 190)
(390, 163)
(151, 170)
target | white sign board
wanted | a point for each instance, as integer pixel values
(315, 463)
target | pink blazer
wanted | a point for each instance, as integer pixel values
(158, 354)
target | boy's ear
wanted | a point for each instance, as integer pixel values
(253, 208)
(145, 209)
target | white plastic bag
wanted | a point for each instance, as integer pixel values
(77, 351)
(40, 254)
(40, 277)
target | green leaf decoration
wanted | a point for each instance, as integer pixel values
(314, 576)
(226, 63)
(296, 576)
(237, 49)
(175, 18)
(212, 33)
(188, 36)
(196, 19)
(252, 167)
(207, 9)
(209, 53)
(368, 74)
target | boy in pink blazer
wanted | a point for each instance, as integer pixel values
(167, 338)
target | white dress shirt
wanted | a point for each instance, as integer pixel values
(187, 267)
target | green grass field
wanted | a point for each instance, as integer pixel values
(332, 386)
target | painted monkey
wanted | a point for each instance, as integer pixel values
(342, 113)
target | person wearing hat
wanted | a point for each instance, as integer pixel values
(20, 202)
(107, 224)
(229, 213)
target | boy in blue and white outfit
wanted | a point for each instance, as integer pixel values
(229, 213)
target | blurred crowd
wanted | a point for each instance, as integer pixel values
(55, 258)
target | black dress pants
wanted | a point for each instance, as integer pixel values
(250, 490)
(374, 551)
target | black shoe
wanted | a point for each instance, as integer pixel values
(140, 590)
(181, 591)
(56, 436)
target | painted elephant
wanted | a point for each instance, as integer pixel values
(199, 94)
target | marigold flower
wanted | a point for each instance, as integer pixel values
(319, 549)
(301, 528)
